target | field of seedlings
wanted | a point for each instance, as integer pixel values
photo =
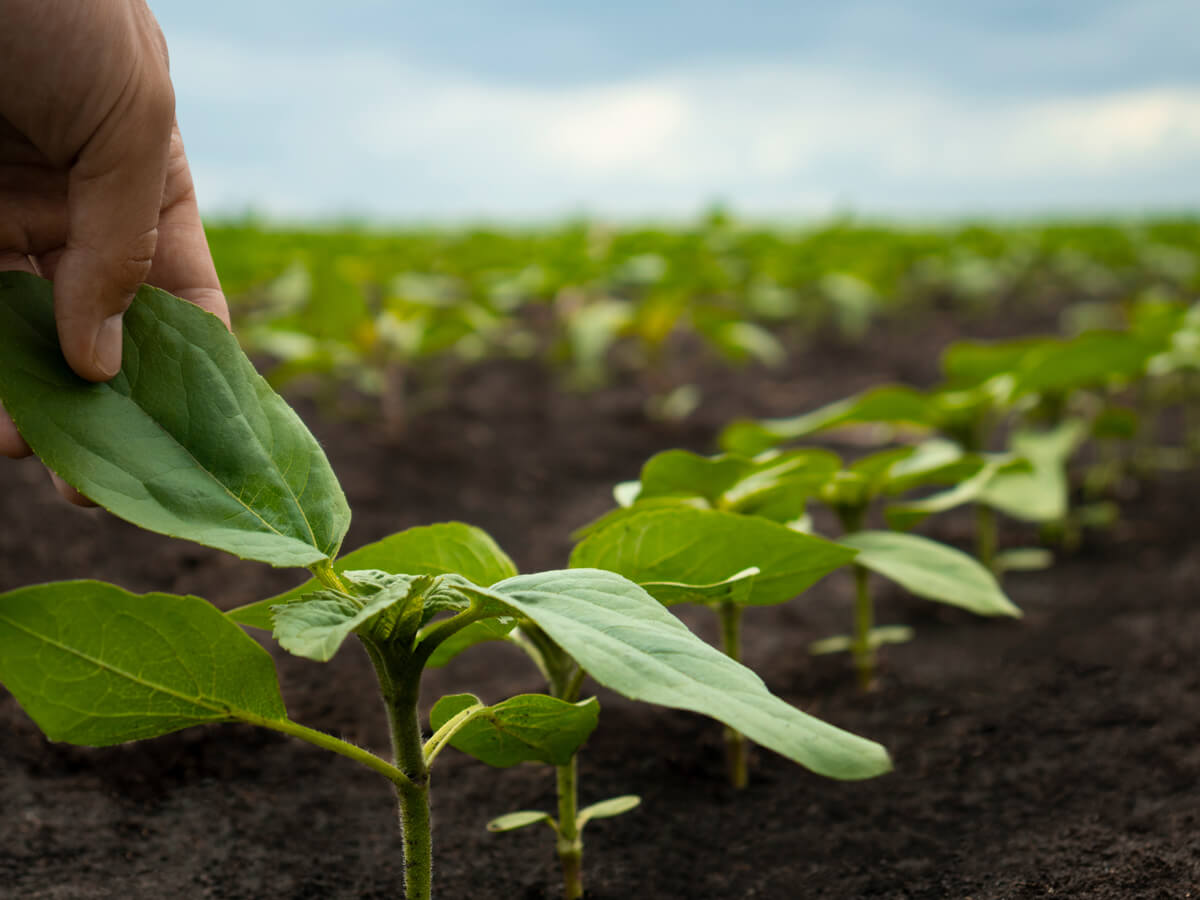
(856, 561)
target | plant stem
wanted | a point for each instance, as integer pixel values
(324, 573)
(400, 682)
(864, 621)
(570, 840)
(329, 742)
(439, 739)
(565, 678)
(985, 536)
(735, 742)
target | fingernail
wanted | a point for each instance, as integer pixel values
(106, 352)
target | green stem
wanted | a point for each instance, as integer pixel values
(565, 678)
(442, 736)
(329, 742)
(864, 621)
(986, 537)
(429, 637)
(324, 573)
(735, 742)
(400, 682)
(570, 839)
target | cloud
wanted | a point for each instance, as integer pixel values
(324, 134)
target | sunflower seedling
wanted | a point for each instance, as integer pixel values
(187, 440)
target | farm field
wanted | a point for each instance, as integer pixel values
(1051, 755)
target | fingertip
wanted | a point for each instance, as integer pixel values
(210, 299)
(106, 351)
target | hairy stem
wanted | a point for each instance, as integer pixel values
(735, 742)
(565, 679)
(400, 682)
(329, 742)
(443, 735)
(570, 840)
(864, 621)
(324, 573)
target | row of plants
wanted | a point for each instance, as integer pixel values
(394, 313)
(93, 664)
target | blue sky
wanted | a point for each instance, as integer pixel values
(534, 110)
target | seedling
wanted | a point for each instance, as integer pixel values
(1025, 387)
(753, 512)
(189, 441)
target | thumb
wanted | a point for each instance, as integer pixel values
(114, 197)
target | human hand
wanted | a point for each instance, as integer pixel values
(95, 190)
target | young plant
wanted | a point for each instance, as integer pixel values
(1027, 391)
(189, 441)
(758, 505)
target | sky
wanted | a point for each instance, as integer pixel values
(536, 110)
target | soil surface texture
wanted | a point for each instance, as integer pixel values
(1057, 755)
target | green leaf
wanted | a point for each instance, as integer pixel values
(1093, 358)
(902, 516)
(444, 548)
(520, 819)
(779, 485)
(606, 809)
(775, 486)
(876, 638)
(739, 341)
(1041, 494)
(680, 473)
(936, 461)
(734, 589)
(637, 508)
(894, 405)
(628, 642)
(1024, 559)
(968, 363)
(525, 728)
(96, 665)
(931, 570)
(187, 440)
(684, 546)
(315, 625)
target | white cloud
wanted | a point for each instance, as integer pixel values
(360, 132)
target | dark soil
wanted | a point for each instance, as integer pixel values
(1055, 756)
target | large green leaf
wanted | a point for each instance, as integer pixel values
(627, 641)
(1093, 358)
(96, 665)
(685, 546)
(931, 570)
(441, 549)
(525, 728)
(970, 363)
(187, 440)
